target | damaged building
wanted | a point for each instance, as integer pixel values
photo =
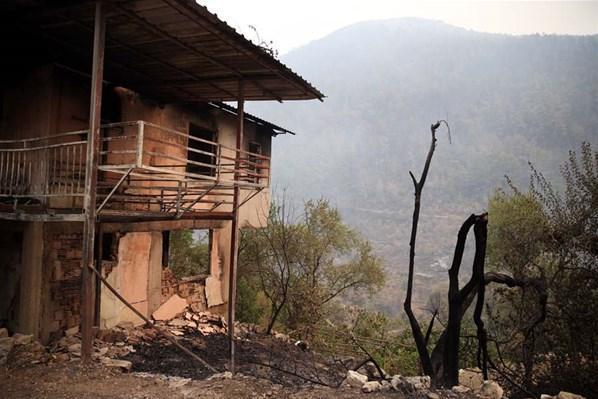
(114, 132)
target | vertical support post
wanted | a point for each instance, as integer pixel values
(91, 178)
(139, 153)
(234, 234)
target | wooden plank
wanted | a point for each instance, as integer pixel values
(162, 225)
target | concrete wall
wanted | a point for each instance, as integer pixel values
(137, 276)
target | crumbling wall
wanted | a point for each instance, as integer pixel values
(136, 276)
(62, 264)
(191, 288)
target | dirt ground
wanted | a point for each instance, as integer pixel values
(72, 381)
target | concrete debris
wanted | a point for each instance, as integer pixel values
(354, 379)
(491, 390)
(116, 363)
(72, 331)
(169, 309)
(371, 386)
(22, 339)
(126, 325)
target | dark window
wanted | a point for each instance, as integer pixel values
(165, 247)
(109, 244)
(201, 156)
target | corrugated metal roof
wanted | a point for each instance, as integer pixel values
(275, 129)
(171, 50)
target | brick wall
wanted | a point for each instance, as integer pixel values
(190, 288)
(63, 258)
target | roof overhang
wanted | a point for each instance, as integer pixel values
(169, 50)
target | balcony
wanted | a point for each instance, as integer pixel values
(145, 171)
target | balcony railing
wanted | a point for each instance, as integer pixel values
(141, 167)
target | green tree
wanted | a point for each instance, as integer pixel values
(187, 256)
(302, 265)
(553, 237)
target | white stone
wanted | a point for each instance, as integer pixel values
(568, 395)
(371, 386)
(432, 395)
(491, 390)
(471, 378)
(546, 396)
(355, 379)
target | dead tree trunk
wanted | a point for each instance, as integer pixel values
(420, 341)
(480, 231)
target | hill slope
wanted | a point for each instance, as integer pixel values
(508, 99)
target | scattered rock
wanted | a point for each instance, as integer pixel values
(409, 385)
(126, 325)
(355, 379)
(71, 331)
(22, 339)
(568, 395)
(471, 378)
(282, 337)
(221, 376)
(112, 335)
(169, 309)
(460, 389)
(3, 333)
(371, 386)
(177, 382)
(432, 395)
(177, 323)
(122, 364)
(6, 345)
(74, 348)
(491, 390)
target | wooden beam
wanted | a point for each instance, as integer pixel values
(162, 225)
(234, 234)
(91, 179)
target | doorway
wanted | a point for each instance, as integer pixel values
(11, 243)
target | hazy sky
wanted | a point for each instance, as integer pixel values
(292, 23)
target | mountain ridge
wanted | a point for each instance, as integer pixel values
(509, 100)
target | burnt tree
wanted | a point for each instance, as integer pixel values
(442, 364)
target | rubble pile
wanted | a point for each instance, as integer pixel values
(203, 322)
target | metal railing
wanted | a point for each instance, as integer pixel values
(142, 166)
